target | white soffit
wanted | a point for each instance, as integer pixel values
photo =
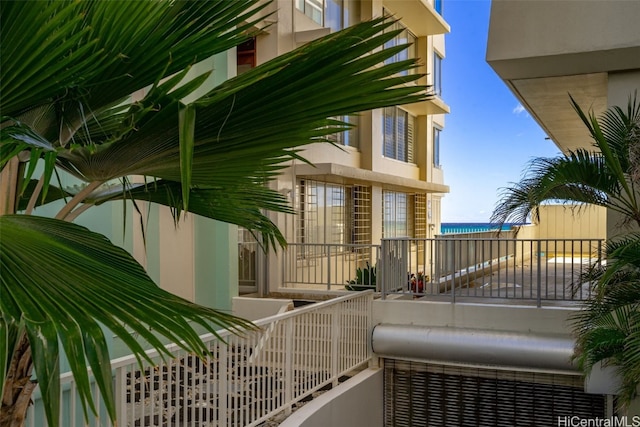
(419, 16)
(547, 99)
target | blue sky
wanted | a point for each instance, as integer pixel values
(489, 138)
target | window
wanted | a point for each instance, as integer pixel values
(332, 213)
(397, 214)
(437, 74)
(404, 215)
(436, 146)
(335, 14)
(348, 138)
(246, 56)
(313, 9)
(404, 37)
(397, 128)
(437, 5)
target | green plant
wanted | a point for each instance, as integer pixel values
(365, 279)
(607, 328)
(69, 69)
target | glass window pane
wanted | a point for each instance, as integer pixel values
(389, 132)
(401, 136)
(437, 74)
(333, 15)
(436, 147)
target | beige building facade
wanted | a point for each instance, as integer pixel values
(383, 178)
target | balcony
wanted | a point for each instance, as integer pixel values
(419, 16)
(451, 268)
(428, 107)
(243, 380)
(268, 373)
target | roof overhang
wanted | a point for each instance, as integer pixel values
(548, 101)
(341, 174)
(428, 107)
(544, 54)
(419, 16)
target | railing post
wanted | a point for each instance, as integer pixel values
(288, 370)
(381, 270)
(405, 263)
(599, 252)
(120, 392)
(328, 267)
(453, 274)
(335, 343)
(539, 280)
(223, 384)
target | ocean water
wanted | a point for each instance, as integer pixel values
(471, 227)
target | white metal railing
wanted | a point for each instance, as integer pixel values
(525, 269)
(242, 382)
(329, 266)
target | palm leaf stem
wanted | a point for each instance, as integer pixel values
(34, 196)
(77, 199)
(77, 212)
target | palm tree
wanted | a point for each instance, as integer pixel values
(608, 328)
(68, 71)
(606, 175)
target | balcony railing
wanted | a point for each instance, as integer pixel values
(241, 383)
(508, 268)
(327, 266)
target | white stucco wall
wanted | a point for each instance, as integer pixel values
(355, 403)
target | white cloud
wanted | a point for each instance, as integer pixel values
(519, 109)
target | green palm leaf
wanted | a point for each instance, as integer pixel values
(116, 48)
(69, 304)
(600, 177)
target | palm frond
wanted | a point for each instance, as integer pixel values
(115, 48)
(100, 284)
(237, 204)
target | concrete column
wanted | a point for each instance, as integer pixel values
(216, 263)
(376, 214)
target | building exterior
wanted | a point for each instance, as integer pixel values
(545, 51)
(431, 361)
(384, 177)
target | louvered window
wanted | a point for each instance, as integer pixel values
(420, 394)
(398, 134)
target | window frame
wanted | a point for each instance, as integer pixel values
(334, 14)
(398, 142)
(437, 6)
(405, 37)
(437, 73)
(398, 208)
(435, 146)
(351, 137)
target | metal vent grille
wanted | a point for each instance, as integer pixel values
(419, 394)
(361, 219)
(420, 216)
